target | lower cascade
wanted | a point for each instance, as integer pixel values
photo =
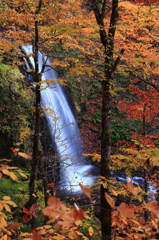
(63, 129)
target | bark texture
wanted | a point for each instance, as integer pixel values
(107, 39)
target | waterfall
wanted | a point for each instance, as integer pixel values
(63, 129)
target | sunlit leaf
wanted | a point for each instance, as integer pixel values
(24, 155)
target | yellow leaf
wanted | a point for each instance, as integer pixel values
(22, 174)
(24, 155)
(1, 206)
(12, 203)
(5, 237)
(5, 171)
(7, 208)
(91, 231)
(78, 222)
(13, 176)
(7, 198)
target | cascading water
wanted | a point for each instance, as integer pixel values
(63, 128)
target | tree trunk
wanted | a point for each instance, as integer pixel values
(107, 40)
(105, 158)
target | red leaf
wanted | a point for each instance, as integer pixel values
(25, 210)
(33, 208)
(35, 235)
(51, 184)
(77, 213)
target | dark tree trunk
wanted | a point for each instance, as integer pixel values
(110, 65)
(37, 80)
(105, 159)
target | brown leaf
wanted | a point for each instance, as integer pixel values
(110, 200)
(77, 213)
(51, 212)
(154, 208)
(35, 235)
(125, 210)
(54, 202)
(87, 191)
(24, 155)
(33, 208)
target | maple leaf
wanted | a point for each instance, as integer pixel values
(30, 213)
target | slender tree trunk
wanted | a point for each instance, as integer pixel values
(105, 158)
(107, 40)
(37, 80)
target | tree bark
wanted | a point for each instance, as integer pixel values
(110, 65)
(37, 79)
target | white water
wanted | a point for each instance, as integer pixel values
(63, 128)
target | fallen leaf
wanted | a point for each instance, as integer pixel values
(35, 235)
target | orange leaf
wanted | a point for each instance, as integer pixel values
(35, 235)
(152, 206)
(24, 155)
(110, 200)
(87, 191)
(131, 188)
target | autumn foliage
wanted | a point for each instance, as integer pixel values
(67, 31)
